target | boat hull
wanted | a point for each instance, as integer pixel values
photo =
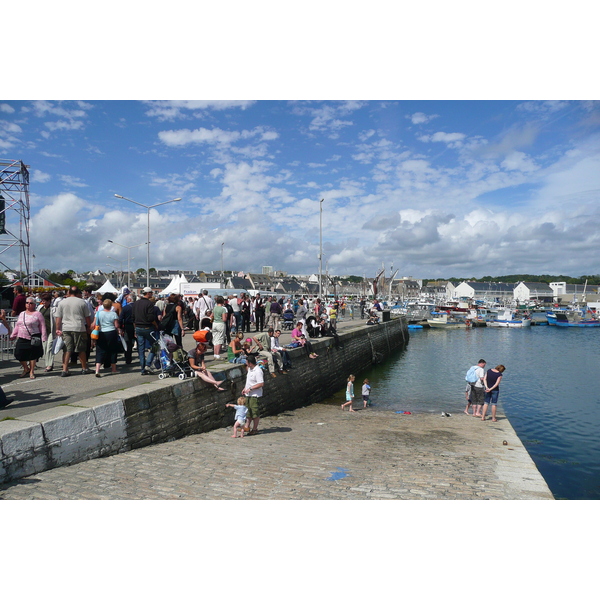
(438, 325)
(513, 323)
(564, 320)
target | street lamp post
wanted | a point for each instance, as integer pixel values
(128, 259)
(222, 273)
(321, 246)
(148, 242)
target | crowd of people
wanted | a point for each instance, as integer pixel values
(92, 330)
(79, 322)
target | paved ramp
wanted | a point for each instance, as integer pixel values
(317, 452)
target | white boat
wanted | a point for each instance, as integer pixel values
(443, 320)
(508, 318)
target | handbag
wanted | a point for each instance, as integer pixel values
(95, 334)
(36, 338)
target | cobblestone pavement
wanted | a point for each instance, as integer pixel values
(317, 452)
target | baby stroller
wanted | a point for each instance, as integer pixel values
(288, 319)
(171, 359)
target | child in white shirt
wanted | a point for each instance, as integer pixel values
(241, 410)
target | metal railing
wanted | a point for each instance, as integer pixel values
(7, 346)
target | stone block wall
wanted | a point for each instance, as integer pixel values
(164, 410)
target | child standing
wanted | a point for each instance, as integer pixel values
(366, 393)
(349, 393)
(241, 410)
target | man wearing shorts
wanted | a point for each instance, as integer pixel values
(478, 390)
(73, 322)
(254, 391)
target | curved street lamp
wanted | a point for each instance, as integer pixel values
(148, 242)
(128, 259)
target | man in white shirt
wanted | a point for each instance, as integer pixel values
(237, 315)
(204, 303)
(278, 350)
(254, 391)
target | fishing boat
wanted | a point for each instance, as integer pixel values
(508, 318)
(442, 320)
(478, 317)
(572, 318)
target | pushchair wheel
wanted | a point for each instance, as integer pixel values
(161, 375)
(181, 375)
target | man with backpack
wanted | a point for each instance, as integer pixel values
(475, 390)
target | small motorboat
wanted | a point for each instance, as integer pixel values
(508, 318)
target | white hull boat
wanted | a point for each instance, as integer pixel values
(509, 319)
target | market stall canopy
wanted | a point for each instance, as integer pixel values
(108, 287)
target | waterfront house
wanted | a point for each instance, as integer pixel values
(533, 290)
(407, 288)
(485, 290)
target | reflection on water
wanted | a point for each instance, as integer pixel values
(549, 392)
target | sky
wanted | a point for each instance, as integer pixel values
(431, 188)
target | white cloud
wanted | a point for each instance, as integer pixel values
(63, 125)
(40, 177)
(418, 118)
(518, 161)
(72, 181)
(182, 137)
(6, 108)
(168, 110)
(7, 134)
(363, 136)
(176, 184)
(545, 107)
(41, 108)
(328, 117)
(453, 140)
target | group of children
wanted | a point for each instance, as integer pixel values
(366, 394)
(241, 410)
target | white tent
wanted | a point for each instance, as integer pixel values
(173, 287)
(108, 287)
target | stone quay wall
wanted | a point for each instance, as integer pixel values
(161, 411)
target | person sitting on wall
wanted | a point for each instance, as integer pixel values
(373, 318)
(279, 351)
(299, 339)
(198, 366)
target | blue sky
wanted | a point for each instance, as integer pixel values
(436, 188)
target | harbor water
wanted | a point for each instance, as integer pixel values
(550, 392)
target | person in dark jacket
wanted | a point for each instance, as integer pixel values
(146, 328)
(126, 324)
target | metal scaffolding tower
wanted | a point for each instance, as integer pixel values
(15, 214)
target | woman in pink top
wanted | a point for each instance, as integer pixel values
(300, 338)
(30, 324)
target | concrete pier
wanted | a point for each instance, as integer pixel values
(315, 452)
